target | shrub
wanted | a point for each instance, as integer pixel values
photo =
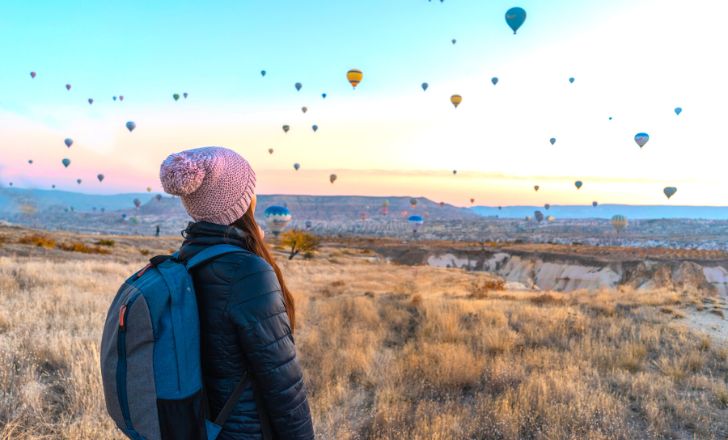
(77, 246)
(38, 240)
(145, 252)
(105, 242)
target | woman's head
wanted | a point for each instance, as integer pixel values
(216, 185)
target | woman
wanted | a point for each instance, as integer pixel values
(247, 314)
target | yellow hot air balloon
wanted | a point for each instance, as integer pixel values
(456, 100)
(354, 76)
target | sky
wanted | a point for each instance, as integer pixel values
(633, 61)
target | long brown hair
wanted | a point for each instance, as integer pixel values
(256, 245)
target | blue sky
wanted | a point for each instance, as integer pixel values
(633, 60)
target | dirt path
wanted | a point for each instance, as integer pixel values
(710, 323)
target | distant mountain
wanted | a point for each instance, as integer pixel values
(18, 199)
(607, 211)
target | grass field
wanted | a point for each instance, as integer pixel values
(389, 352)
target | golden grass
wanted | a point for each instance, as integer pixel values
(395, 352)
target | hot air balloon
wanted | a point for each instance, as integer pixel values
(175, 96)
(454, 172)
(296, 166)
(424, 86)
(456, 100)
(185, 95)
(494, 80)
(454, 41)
(669, 191)
(10, 183)
(32, 74)
(100, 177)
(678, 110)
(323, 95)
(552, 140)
(538, 215)
(415, 222)
(595, 204)
(571, 80)
(68, 87)
(30, 161)
(578, 184)
(90, 101)
(304, 109)
(286, 128)
(641, 139)
(413, 202)
(442, 204)
(149, 189)
(53, 186)
(550, 219)
(121, 98)
(277, 218)
(472, 200)
(354, 76)
(114, 98)
(298, 86)
(619, 222)
(515, 18)
(79, 181)
(536, 188)
(332, 178)
(314, 127)
(158, 197)
(270, 151)
(130, 126)
(610, 118)
(547, 206)
(68, 142)
(262, 73)
(66, 162)
(137, 203)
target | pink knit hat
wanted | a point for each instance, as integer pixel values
(215, 184)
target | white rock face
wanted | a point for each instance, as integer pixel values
(718, 278)
(450, 260)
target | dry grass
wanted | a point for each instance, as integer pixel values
(38, 240)
(395, 352)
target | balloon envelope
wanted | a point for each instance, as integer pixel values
(296, 166)
(32, 74)
(298, 86)
(100, 177)
(314, 127)
(571, 80)
(66, 162)
(137, 203)
(354, 76)
(424, 86)
(619, 222)
(515, 18)
(552, 140)
(669, 191)
(262, 73)
(536, 187)
(578, 184)
(678, 110)
(277, 218)
(286, 128)
(90, 101)
(641, 139)
(456, 100)
(68, 87)
(332, 178)
(175, 96)
(538, 215)
(68, 142)
(594, 204)
(130, 126)
(494, 80)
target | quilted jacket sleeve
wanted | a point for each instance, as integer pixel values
(256, 307)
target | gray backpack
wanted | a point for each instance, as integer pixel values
(150, 355)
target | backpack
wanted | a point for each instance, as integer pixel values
(150, 354)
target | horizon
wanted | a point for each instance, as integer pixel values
(387, 136)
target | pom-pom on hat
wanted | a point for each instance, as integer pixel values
(215, 184)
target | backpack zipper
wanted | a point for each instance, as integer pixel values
(121, 367)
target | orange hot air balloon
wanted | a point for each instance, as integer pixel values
(456, 100)
(354, 76)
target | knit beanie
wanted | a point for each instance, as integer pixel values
(215, 184)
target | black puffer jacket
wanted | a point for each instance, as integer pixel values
(244, 325)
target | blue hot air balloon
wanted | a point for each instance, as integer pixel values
(515, 18)
(571, 80)
(678, 110)
(130, 126)
(552, 140)
(262, 73)
(277, 218)
(298, 87)
(66, 162)
(323, 95)
(415, 221)
(669, 191)
(494, 80)
(641, 139)
(314, 127)
(425, 86)
(68, 142)
(296, 166)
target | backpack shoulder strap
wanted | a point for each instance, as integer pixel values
(210, 253)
